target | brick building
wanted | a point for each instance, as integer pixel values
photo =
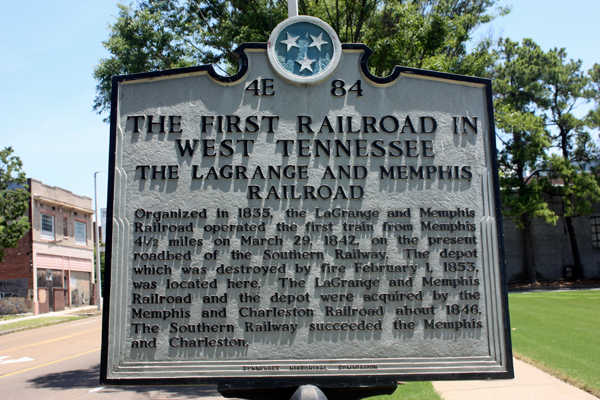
(551, 246)
(51, 268)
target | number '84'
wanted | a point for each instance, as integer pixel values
(338, 88)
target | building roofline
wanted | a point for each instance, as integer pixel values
(56, 188)
(62, 204)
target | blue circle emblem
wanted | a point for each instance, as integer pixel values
(304, 49)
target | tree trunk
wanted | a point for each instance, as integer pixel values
(578, 270)
(527, 251)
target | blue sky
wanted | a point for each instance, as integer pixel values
(49, 50)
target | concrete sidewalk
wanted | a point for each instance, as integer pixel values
(76, 310)
(530, 383)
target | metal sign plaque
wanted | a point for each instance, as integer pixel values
(303, 220)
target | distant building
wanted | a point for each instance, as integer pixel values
(51, 268)
(551, 246)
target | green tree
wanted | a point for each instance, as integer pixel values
(164, 34)
(102, 264)
(429, 35)
(14, 201)
(566, 87)
(593, 117)
(517, 91)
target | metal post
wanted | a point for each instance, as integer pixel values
(36, 302)
(99, 284)
(308, 392)
(292, 8)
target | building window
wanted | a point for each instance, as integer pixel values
(595, 223)
(80, 232)
(48, 226)
(65, 227)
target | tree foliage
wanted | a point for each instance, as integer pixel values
(518, 91)
(164, 34)
(102, 265)
(593, 117)
(547, 149)
(567, 86)
(14, 201)
(593, 93)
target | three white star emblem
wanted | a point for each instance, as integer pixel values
(317, 41)
(290, 41)
(305, 63)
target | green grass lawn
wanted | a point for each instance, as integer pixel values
(37, 323)
(411, 391)
(560, 333)
(6, 317)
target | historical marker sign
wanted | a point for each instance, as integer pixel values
(304, 218)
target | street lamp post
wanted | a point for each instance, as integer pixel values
(99, 285)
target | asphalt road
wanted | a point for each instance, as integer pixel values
(63, 362)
